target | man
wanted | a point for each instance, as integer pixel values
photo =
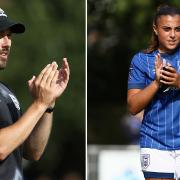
(154, 86)
(26, 135)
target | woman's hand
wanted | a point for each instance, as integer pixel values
(158, 68)
(170, 77)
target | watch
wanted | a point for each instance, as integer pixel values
(50, 110)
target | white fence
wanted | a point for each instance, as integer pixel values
(113, 163)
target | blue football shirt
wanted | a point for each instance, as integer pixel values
(160, 128)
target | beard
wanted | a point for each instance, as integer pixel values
(3, 64)
(4, 58)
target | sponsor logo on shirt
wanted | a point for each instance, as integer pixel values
(17, 175)
(15, 101)
(178, 65)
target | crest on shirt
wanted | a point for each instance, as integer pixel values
(145, 160)
(15, 101)
(2, 13)
(130, 73)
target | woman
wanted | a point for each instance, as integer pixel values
(154, 86)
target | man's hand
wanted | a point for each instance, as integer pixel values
(60, 83)
(50, 83)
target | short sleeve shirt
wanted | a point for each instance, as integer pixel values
(160, 127)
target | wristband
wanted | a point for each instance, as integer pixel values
(50, 110)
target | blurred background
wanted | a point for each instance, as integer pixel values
(54, 29)
(116, 30)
